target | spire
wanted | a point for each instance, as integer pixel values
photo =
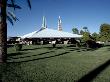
(44, 25)
(59, 24)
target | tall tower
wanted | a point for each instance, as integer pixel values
(59, 24)
(44, 25)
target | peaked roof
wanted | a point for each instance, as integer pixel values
(28, 35)
(50, 33)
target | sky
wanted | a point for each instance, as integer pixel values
(74, 14)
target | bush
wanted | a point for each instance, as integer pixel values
(54, 45)
(18, 47)
(77, 44)
(92, 44)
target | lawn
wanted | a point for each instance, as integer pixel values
(65, 63)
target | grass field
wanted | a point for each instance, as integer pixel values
(42, 63)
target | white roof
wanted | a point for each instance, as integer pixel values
(50, 33)
(28, 35)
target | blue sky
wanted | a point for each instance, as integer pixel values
(74, 13)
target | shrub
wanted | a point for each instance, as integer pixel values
(18, 47)
(54, 45)
(77, 44)
(92, 44)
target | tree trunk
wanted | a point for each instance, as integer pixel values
(3, 33)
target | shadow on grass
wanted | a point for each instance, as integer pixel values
(78, 51)
(51, 48)
(71, 50)
(81, 49)
(30, 49)
(31, 55)
(109, 49)
(16, 54)
(75, 48)
(42, 58)
(91, 49)
(94, 73)
(72, 45)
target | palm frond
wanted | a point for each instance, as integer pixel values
(10, 20)
(10, 15)
(13, 16)
(14, 6)
(13, 2)
(29, 3)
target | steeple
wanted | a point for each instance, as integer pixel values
(44, 25)
(59, 24)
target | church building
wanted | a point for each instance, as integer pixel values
(47, 35)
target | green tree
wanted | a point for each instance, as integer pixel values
(105, 32)
(3, 26)
(86, 36)
(81, 32)
(75, 31)
(95, 36)
(85, 29)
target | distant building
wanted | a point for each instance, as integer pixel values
(46, 35)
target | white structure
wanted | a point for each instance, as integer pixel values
(28, 35)
(59, 24)
(44, 25)
(45, 32)
(50, 33)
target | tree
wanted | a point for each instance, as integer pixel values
(86, 36)
(75, 31)
(3, 32)
(81, 32)
(85, 29)
(95, 36)
(3, 26)
(105, 32)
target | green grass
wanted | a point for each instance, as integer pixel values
(42, 63)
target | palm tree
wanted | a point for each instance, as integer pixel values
(3, 26)
(75, 31)
(85, 29)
